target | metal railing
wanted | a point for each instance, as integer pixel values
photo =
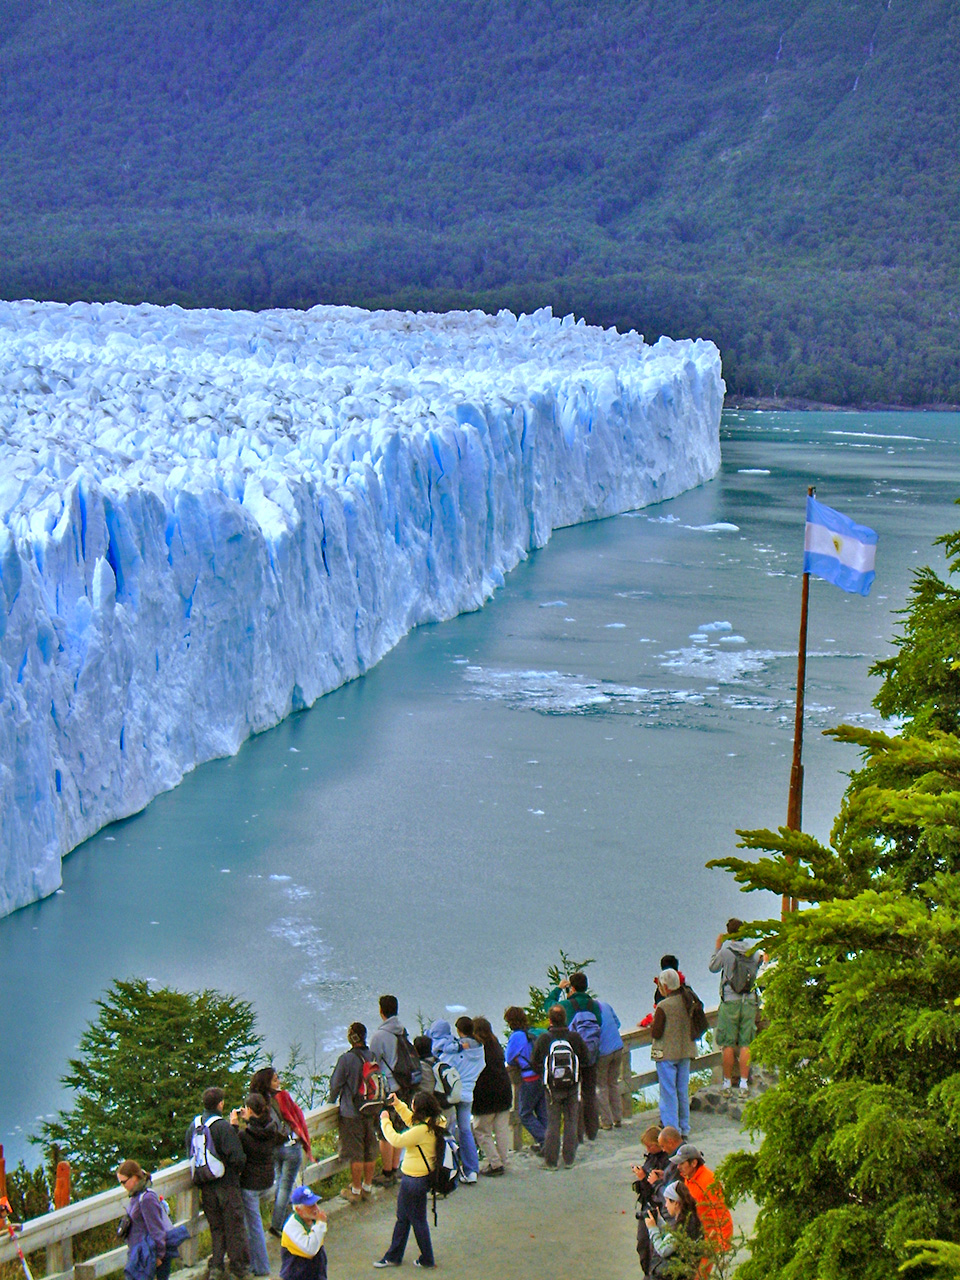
(55, 1232)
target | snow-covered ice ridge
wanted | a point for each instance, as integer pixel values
(208, 519)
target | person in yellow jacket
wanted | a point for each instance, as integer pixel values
(419, 1142)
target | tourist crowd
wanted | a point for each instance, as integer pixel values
(435, 1110)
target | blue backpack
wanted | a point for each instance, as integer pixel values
(587, 1027)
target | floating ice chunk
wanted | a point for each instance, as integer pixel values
(720, 526)
(615, 626)
(278, 877)
(715, 626)
(554, 604)
(752, 471)
(733, 640)
(295, 750)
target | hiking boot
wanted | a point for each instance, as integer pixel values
(495, 1171)
(604, 1124)
(351, 1196)
(385, 1180)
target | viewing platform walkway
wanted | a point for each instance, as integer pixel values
(497, 1229)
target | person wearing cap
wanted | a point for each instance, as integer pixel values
(302, 1255)
(707, 1194)
(670, 1254)
(671, 1048)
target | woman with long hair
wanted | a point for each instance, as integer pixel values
(492, 1101)
(673, 1233)
(293, 1126)
(420, 1143)
(260, 1139)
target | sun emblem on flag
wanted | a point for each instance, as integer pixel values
(837, 543)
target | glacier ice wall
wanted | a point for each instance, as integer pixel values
(208, 519)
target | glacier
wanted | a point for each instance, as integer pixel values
(208, 519)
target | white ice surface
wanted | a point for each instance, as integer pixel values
(209, 519)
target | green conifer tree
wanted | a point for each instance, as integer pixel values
(143, 1064)
(860, 1158)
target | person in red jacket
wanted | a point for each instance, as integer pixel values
(708, 1195)
(288, 1158)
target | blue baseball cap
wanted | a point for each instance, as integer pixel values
(303, 1195)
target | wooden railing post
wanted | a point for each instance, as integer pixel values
(60, 1255)
(626, 1089)
(190, 1249)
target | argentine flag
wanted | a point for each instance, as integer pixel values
(838, 550)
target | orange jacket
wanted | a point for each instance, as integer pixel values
(711, 1207)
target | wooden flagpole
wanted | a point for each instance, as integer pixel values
(795, 801)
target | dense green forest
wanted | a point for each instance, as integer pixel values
(779, 175)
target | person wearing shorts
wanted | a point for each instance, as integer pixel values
(358, 1135)
(737, 1015)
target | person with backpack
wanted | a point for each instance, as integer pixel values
(217, 1159)
(671, 1048)
(464, 1052)
(492, 1101)
(737, 1015)
(151, 1237)
(302, 1253)
(584, 1016)
(531, 1099)
(609, 1098)
(419, 1144)
(287, 1158)
(560, 1057)
(259, 1138)
(401, 1073)
(357, 1087)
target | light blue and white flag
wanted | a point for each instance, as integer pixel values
(838, 550)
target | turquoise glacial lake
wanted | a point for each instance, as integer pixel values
(551, 772)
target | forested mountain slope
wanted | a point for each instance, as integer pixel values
(779, 175)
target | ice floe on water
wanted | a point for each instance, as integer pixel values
(208, 519)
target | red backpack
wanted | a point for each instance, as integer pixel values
(371, 1094)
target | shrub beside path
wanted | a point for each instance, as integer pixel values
(576, 1222)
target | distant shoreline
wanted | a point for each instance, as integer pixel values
(793, 405)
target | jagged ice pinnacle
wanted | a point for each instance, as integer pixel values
(209, 519)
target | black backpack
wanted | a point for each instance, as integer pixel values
(447, 1169)
(698, 1018)
(744, 974)
(406, 1070)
